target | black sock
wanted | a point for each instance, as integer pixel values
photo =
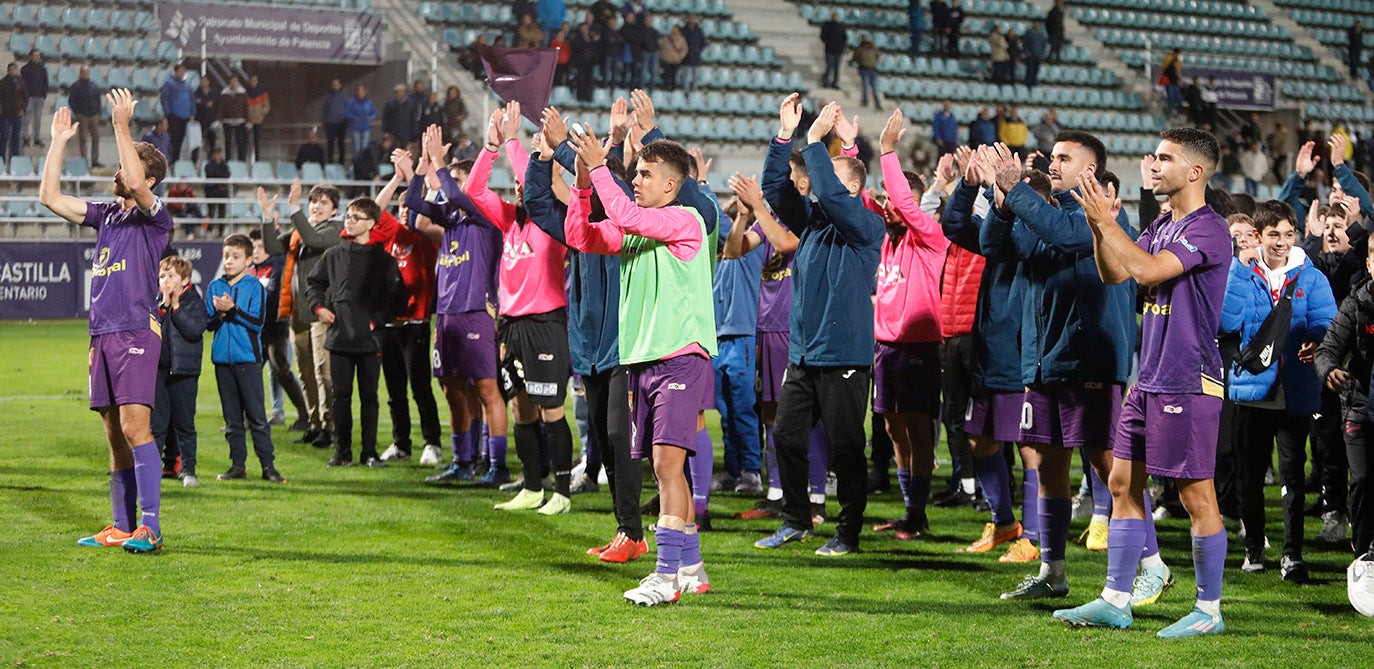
(527, 449)
(545, 462)
(560, 450)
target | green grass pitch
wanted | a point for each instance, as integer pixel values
(363, 567)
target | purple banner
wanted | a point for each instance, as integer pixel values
(43, 280)
(1237, 90)
(268, 33)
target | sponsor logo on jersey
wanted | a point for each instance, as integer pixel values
(103, 266)
(1173, 409)
(677, 386)
(474, 335)
(134, 350)
(1183, 241)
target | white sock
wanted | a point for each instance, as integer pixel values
(1211, 607)
(774, 494)
(818, 498)
(1152, 562)
(1121, 600)
(1099, 518)
(967, 486)
(1053, 569)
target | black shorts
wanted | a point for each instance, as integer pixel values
(534, 355)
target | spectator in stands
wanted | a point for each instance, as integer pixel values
(916, 22)
(1253, 165)
(672, 50)
(866, 59)
(643, 42)
(528, 35)
(603, 13)
(432, 112)
(215, 169)
(334, 119)
(14, 101)
(1171, 76)
(361, 113)
(259, 105)
(1014, 132)
(836, 40)
(178, 105)
(1045, 131)
(455, 112)
(84, 99)
(997, 45)
(552, 15)
(560, 42)
(1054, 29)
(180, 210)
(1280, 144)
(310, 151)
(982, 131)
(207, 114)
(1250, 130)
(464, 148)
(399, 115)
(1013, 53)
(1354, 48)
(954, 29)
(233, 117)
(470, 59)
(521, 8)
(939, 26)
(159, 137)
(367, 162)
(635, 7)
(35, 75)
(612, 55)
(1210, 99)
(945, 130)
(585, 46)
(696, 44)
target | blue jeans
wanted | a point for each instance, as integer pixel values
(831, 77)
(1173, 98)
(360, 139)
(687, 78)
(739, 422)
(1032, 72)
(9, 135)
(869, 78)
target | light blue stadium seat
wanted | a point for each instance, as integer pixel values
(24, 17)
(70, 47)
(21, 166)
(143, 80)
(65, 76)
(45, 43)
(49, 17)
(19, 43)
(121, 21)
(286, 170)
(118, 77)
(73, 18)
(76, 167)
(238, 169)
(97, 19)
(311, 173)
(334, 172)
(19, 208)
(184, 169)
(261, 171)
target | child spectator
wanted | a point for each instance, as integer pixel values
(235, 311)
(181, 315)
(216, 169)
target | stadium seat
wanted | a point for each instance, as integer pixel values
(311, 173)
(334, 172)
(184, 169)
(21, 166)
(286, 170)
(261, 171)
(75, 167)
(238, 169)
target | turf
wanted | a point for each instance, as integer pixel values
(372, 568)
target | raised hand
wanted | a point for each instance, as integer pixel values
(293, 196)
(588, 148)
(541, 146)
(1306, 162)
(892, 132)
(434, 146)
(555, 127)
(962, 156)
(1097, 203)
(404, 163)
(847, 131)
(1029, 162)
(983, 167)
(703, 164)
(1147, 172)
(789, 115)
(1337, 143)
(644, 110)
(122, 105)
(63, 129)
(494, 138)
(268, 207)
(1008, 167)
(824, 123)
(510, 121)
(747, 190)
(620, 121)
(944, 172)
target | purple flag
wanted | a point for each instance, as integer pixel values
(521, 75)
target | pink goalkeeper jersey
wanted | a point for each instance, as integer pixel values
(531, 271)
(907, 310)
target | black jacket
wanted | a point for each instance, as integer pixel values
(834, 37)
(361, 284)
(183, 334)
(1349, 345)
(1344, 271)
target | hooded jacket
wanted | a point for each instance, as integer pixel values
(183, 334)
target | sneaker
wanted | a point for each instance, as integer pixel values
(393, 453)
(276, 420)
(143, 540)
(234, 473)
(311, 434)
(271, 475)
(749, 483)
(1082, 507)
(431, 455)
(493, 477)
(622, 549)
(190, 481)
(1292, 569)
(835, 548)
(722, 482)
(110, 536)
(1097, 613)
(449, 474)
(889, 526)
(831, 484)
(654, 589)
(1021, 550)
(784, 535)
(955, 500)
(340, 460)
(324, 439)
(373, 461)
(173, 470)
(764, 508)
(525, 500)
(596, 551)
(302, 423)
(557, 504)
(650, 508)
(692, 580)
(1161, 512)
(583, 484)
(1095, 537)
(912, 530)
(1150, 584)
(512, 485)
(704, 520)
(1335, 528)
(993, 537)
(1196, 623)
(1040, 587)
(818, 516)
(1254, 562)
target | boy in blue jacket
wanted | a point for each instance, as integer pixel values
(1276, 405)
(182, 316)
(235, 311)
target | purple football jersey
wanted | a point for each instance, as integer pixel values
(468, 258)
(128, 248)
(775, 295)
(1178, 352)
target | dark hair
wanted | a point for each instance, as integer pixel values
(671, 153)
(1200, 143)
(1220, 202)
(464, 166)
(1273, 212)
(1337, 210)
(1089, 141)
(1364, 180)
(367, 206)
(913, 181)
(796, 161)
(327, 191)
(1243, 203)
(239, 241)
(255, 234)
(1110, 177)
(154, 163)
(856, 167)
(1039, 182)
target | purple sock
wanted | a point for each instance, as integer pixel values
(1209, 560)
(1125, 541)
(700, 466)
(920, 492)
(904, 485)
(1055, 514)
(496, 450)
(1151, 541)
(818, 456)
(480, 435)
(148, 472)
(1102, 495)
(691, 547)
(123, 498)
(462, 447)
(670, 543)
(993, 476)
(774, 479)
(454, 445)
(1030, 504)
